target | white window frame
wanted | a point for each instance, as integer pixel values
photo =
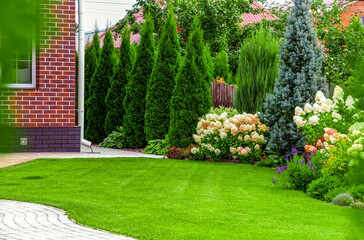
(33, 83)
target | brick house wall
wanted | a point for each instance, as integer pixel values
(45, 115)
(357, 7)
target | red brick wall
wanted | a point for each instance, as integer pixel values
(356, 7)
(52, 102)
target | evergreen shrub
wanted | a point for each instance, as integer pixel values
(100, 83)
(298, 81)
(257, 71)
(162, 81)
(136, 90)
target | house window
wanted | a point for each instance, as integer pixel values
(18, 70)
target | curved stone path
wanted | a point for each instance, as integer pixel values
(30, 221)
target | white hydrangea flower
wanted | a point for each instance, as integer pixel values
(223, 134)
(336, 115)
(217, 151)
(314, 120)
(197, 138)
(319, 95)
(316, 108)
(338, 93)
(325, 108)
(194, 150)
(308, 108)
(350, 102)
(223, 116)
(330, 103)
(299, 111)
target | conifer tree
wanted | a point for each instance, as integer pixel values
(116, 93)
(100, 83)
(162, 81)
(136, 90)
(91, 57)
(257, 71)
(221, 65)
(192, 93)
(298, 81)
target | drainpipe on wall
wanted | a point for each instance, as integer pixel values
(81, 73)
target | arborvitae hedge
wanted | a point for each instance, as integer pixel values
(162, 81)
(91, 57)
(115, 96)
(100, 83)
(299, 80)
(136, 90)
(221, 65)
(192, 94)
(257, 71)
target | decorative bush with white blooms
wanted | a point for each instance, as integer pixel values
(324, 113)
(240, 137)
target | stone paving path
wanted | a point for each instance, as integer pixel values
(30, 221)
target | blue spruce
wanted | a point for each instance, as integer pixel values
(298, 81)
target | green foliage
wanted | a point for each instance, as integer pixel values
(192, 93)
(298, 174)
(299, 80)
(330, 195)
(99, 86)
(356, 84)
(219, 22)
(114, 139)
(358, 192)
(343, 45)
(343, 199)
(221, 66)
(220, 110)
(319, 187)
(158, 147)
(162, 81)
(136, 90)
(258, 69)
(92, 54)
(116, 93)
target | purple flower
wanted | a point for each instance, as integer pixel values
(314, 168)
(287, 158)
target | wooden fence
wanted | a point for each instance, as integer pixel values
(222, 94)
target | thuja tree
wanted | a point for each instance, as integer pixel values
(115, 96)
(134, 101)
(298, 81)
(258, 69)
(221, 65)
(162, 81)
(100, 83)
(192, 94)
(91, 57)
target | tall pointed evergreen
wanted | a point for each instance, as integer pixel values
(192, 93)
(115, 96)
(162, 81)
(136, 90)
(298, 81)
(221, 65)
(91, 57)
(100, 83)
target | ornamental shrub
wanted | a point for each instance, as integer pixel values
(221, 65)
(319, 187)
(92, 54)
(136, 90)
(115, 96)
(298, 81)
(162, 81)
(114, 139)
(99, 86)
(192, 93)
(175, 153)
(343, 199)
(157, 146)
(240, 137)
(257, 71)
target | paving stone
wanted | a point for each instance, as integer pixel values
(30, 221)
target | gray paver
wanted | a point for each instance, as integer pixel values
(30, 221)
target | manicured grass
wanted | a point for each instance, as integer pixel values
(176, 199)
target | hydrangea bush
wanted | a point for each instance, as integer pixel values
(241, 137)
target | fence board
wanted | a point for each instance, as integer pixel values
(222, 94)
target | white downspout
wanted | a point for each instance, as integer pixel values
(81, 73)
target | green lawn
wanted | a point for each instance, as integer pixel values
(175, 199)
